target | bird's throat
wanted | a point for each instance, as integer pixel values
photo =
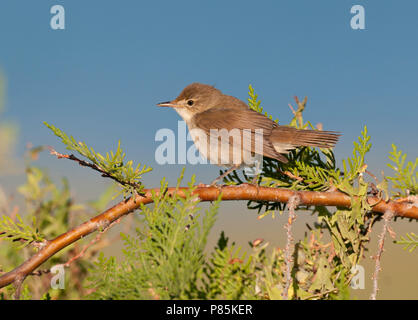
(184, 113)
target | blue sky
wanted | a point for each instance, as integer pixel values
(100, 78)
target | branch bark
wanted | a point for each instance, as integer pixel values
(205, 193)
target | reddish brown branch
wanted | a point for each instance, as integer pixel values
(205, 193)
(92, 242)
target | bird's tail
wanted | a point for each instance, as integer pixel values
(285, 139)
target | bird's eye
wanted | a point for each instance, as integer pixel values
(190, 102)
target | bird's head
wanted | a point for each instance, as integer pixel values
(195, 98)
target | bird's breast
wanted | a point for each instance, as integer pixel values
(222, 147)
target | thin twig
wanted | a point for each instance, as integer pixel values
(39, 273)
(18, 285)
(301, 107)
(92, 166)
(321, 294)
(292, 204)
(386, 217)
(413, 200)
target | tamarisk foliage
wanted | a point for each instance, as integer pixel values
(165, 258)
(112, 165)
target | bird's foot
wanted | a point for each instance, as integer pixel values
(213, 184)
(217, 186)
(253, 183)
(203, 185)
(255, 180)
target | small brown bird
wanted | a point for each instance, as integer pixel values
(207, 111)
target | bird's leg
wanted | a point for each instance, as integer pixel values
(257, 174)
(234, 167)
(254, 180)
(290, 175)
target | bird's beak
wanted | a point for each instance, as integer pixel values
(168, 104)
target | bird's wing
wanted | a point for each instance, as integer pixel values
(239, 118)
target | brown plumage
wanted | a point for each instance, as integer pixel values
(205, 107)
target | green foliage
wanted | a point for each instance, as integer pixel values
(317, 272)
(229, 274)
(49, 211)
(25, 293)
(254, 103)
(406, 178)
(356, 162)
(321, 279)
(18, 231)
(348, 233)
(348, 227)
(164, 259)
(410, 241)
(112, 164)
(47, 203)
(312, 172)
